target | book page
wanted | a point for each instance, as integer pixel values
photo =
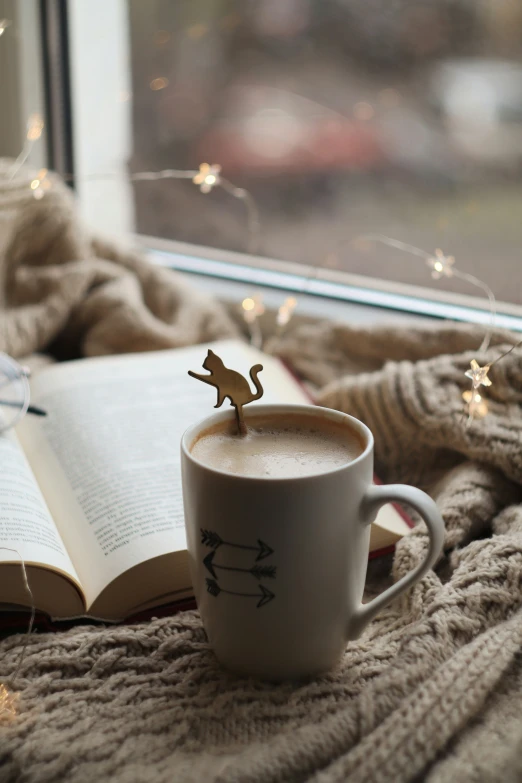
(25, 522)
(108, 454)
(387, 528)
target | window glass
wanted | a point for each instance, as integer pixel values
(341, 118)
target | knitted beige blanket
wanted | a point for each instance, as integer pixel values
(433, 689)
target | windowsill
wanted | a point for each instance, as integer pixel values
(334, 295)
(232, 292)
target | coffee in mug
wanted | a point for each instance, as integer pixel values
(279, 446)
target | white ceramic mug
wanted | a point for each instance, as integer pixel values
(278, 565)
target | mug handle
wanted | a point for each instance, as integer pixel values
(375, 497)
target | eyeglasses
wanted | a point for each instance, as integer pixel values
(14, 393)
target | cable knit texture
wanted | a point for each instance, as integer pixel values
(432, 690)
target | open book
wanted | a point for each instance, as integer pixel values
(90, 496)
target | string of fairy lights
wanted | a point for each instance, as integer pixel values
(207, 177)
(443, 266)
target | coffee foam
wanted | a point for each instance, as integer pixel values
(279, 446)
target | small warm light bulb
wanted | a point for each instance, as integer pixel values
(253, 307)
(207, 176)
(8, 701)
(159, 83)
(476, 405)
(40, 184)
(4, 24)
(35, 127)
(441, 265)
(286, 311)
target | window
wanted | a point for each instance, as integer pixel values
(342, 119)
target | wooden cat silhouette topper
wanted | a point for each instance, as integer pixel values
(231, 384)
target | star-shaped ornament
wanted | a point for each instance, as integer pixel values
(207, 177)
(441, 265)
(478, 374)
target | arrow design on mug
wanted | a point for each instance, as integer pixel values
(214, 540)
(257, 571)
(265, 596)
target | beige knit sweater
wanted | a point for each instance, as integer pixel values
(433, 689)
